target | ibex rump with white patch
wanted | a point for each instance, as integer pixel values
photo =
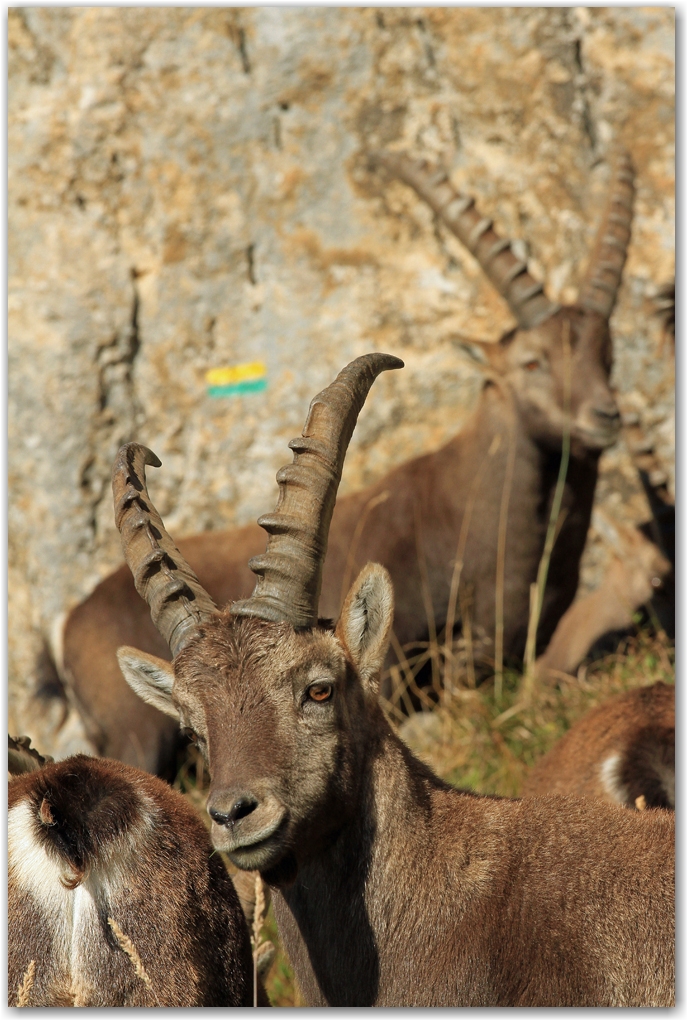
(117, 895)
(622, 752)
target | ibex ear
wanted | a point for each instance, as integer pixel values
(365, 622)
(489, 356)
(151, 678)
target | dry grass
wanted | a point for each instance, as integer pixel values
(128, 947)
(473, 742)
(24, 990)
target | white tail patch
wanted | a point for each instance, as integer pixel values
(72, 913)
(56, 643)
(609, 773)
(33, 871)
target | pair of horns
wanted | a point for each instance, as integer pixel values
(290, 570)
(525, 295)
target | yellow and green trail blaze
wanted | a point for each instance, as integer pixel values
(235, 380)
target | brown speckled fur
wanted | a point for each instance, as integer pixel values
(391, 888)
(133, 850)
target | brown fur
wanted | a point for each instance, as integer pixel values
(130, 849)
(391, 888)
(636, 732)
(636, 570)
(425, 509)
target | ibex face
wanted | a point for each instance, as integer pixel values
(564, 363)
(268, 691)
(280, 716)
(269, 720)
(557, 357)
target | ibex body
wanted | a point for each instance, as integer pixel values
(436, 509)
(109, 866)
(620, 752)
(390, 887)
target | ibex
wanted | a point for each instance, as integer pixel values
(622, 752)
(635, 573)
(24, 758)
(116, 896)
(431, 511)
(390, 887)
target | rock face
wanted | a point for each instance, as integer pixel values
(189, 189)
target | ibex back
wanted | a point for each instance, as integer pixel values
(435, 510)
(391, 888)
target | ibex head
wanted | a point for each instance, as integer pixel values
(267, 689)
(557, 358)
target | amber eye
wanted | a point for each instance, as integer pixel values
(531, 366)
(190, 735)
(320, 692)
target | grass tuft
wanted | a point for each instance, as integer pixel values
(24, 990)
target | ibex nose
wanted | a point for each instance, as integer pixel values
(609, 415)
(244, 804)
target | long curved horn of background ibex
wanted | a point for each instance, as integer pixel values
(177, 600)
(525, 296)
(290, 570)
(599, 289)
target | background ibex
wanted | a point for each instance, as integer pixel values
(390, 887)
(116, 894)
(635, 573)
(619, 752)
(482, 500)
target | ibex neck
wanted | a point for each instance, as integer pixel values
(337, 921)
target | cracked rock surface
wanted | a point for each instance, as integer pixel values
(189, 189)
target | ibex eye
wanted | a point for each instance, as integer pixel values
(531, 366)
(190, 734)
(320, 692)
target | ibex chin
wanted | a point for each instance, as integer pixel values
(622, 752)
(434, 510)
(390, 887)
(116, 896)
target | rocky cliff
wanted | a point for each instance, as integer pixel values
(189, 189)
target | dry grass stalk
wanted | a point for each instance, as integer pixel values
(427, 600)
(460, 552)
(258, 921)
(131, 951)
(501, 569)
(466, 613)
(554, 522)
(24, 990)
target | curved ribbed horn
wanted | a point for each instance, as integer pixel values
(290, 570)
(599, 289)
(525, 296)
(664, 304)
(177, 600)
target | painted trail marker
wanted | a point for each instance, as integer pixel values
(235, 380)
